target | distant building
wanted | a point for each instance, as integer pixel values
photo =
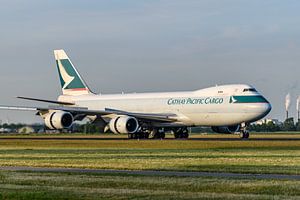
(6, 130)
(266, 121)
(26, 129)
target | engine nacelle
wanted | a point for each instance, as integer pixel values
(226, 129)
(123, 124)
(59, 120)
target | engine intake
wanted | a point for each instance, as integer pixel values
(59, 120)
(226, 129)
(123, 124)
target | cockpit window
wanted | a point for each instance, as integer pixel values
(249, 90)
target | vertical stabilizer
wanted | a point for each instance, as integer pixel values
(70, 79)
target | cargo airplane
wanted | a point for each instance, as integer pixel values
(227, 109)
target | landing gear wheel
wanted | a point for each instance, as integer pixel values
(146, 135)
(185, 135)
(157, 134)
(162, 135)
(244, 134)
(138, 135)
(247, 135)
(135, 135)
(181, 133)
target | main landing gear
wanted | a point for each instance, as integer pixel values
(181, 133)
(146, 134)
(244, 133)
(159, 133)
(138, 135)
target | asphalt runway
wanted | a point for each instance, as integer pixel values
(155, 173)
(116, 138)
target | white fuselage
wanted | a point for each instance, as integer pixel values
(215, 106)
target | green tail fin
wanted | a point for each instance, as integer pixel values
(70, 79)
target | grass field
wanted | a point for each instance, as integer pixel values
(184, 155)
(28, 185)
(238, 156)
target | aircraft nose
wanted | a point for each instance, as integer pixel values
(267, 108)
(258, 108)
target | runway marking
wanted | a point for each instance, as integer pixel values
(156, 173)
(190, 139)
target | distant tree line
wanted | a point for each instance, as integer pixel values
(15, 126)
(78, 128)
(287, 125)
(12, 126)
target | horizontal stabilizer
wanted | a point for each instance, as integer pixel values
(47, 101)
(22, 108)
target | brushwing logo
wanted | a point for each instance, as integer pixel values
(232, 100)
(64, 75)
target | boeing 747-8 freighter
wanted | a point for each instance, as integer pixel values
(227, 108)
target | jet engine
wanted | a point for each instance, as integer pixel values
(123, 124)
(59, 120)
(226, 129)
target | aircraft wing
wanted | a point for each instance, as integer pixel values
(108, 111)
(168, 117)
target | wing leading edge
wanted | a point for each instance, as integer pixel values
(158, 117)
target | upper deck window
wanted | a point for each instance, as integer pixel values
(249, 90)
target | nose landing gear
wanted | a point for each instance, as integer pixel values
(244, 133)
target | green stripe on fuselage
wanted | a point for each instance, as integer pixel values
(248, 99)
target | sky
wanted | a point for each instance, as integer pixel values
(146, 46)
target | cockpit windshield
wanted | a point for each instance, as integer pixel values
(249, 90)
